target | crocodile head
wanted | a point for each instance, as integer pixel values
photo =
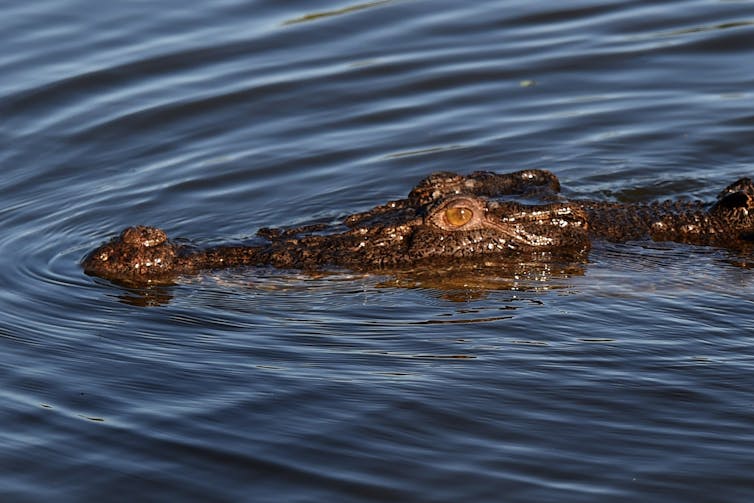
(448, 228)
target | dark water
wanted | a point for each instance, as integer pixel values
(628, 379)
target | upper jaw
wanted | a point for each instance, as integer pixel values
(547, 226)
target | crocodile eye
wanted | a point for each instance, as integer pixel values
(458, 216)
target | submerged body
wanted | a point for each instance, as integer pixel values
(446, 217)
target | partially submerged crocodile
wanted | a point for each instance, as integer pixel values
(446, 217)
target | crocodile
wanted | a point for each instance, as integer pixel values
(445, 218)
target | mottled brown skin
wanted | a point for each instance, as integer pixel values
(727, 223)
(446, 217)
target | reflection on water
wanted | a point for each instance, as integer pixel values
(452, 282)
(145, 296)
(465, 282)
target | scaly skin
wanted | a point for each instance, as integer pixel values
(446, 217)
(729, 222)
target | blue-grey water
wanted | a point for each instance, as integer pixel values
(627, 378)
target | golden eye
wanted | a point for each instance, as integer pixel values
(458, 216)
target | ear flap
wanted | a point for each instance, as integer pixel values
(733, 200)
(736, 197)
(735, 208)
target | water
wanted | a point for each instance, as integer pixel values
(626, 379)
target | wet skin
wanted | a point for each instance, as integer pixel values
(445, 218)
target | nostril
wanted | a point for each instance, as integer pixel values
(143, 236)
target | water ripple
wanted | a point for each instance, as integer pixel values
(626, 377)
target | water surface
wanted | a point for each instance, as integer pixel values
(627, 378)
